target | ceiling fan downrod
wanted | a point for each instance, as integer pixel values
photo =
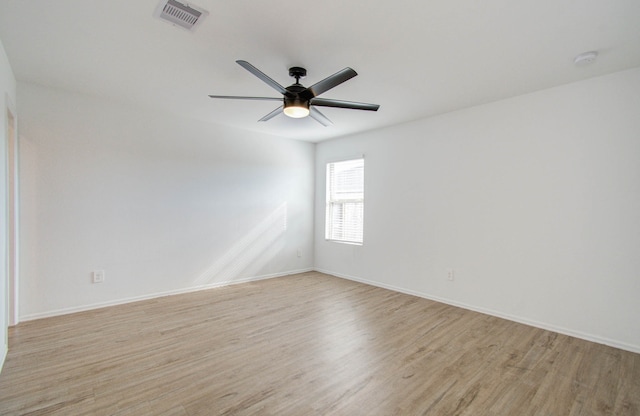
(297, 72)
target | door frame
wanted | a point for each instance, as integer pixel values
(12, 212)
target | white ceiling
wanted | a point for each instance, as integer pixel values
(414, 58)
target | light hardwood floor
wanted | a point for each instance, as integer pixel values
(308, 344)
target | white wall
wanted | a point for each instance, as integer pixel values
(162, 205)
(7, 101)
(534, 201)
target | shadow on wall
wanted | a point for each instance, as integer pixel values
(251, 253)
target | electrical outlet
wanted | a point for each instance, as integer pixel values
(97, 276)
(299, 253)
(450, 275)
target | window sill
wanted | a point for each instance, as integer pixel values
(351, 243)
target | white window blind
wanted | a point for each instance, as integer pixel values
(345, 201)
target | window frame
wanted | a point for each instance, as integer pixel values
(335, 232)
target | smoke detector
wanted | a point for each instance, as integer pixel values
(585, 58)
(184, 15)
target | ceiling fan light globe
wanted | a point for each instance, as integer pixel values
(296, 111)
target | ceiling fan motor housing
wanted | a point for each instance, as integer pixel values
(296, 102)
(293, 98)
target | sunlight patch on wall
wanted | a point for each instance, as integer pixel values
(251, 253)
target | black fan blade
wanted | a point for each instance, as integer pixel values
(319, 117)
(255, 71)
(235, 97)
(328, 83)
(272, 114)
(326, 102)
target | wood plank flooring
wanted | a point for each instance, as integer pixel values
(307, 344)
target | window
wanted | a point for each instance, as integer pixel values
(345, 201)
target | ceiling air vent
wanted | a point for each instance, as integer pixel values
(184, 15)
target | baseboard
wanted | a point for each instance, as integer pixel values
(66, 311)
(514, 318)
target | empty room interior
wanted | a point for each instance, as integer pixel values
(320, 208)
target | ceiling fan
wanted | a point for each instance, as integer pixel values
(299, 101)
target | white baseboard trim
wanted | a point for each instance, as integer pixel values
(514, 318)
(83, 308)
